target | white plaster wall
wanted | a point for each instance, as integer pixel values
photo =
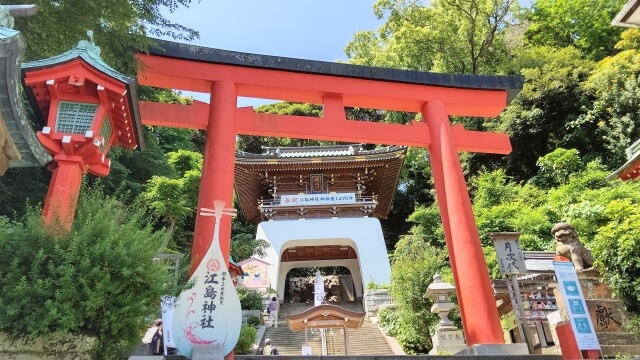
(363, 234)
(351, 264)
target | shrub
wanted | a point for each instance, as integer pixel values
(246, 340)
(413, 266)
(253, 321)
(250, 299)
(388, 320)
(99, 279)
(634, 325)
(617, 251)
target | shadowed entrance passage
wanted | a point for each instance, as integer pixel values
(227, 75)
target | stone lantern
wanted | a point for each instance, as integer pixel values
(447, 338)
(85, 108)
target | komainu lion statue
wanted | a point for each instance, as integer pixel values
(569, 246)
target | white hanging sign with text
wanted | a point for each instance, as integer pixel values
(317, 199)
(577, 310)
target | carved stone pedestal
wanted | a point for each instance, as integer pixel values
(208, 352)
(447, 342)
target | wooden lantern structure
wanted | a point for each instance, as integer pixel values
(85, 108)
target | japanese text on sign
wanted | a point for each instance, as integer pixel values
(319, 199)
(510, 257)
(211, 293)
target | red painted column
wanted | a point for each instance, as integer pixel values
(435, 159)
(473, 286)
(62, 196)
(217, 170)
(567, 340)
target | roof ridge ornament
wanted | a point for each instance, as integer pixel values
(90, 45)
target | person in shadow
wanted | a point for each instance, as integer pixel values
(157, 342)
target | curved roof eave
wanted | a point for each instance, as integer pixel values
(512, 84)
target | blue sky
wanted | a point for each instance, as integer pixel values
(305, 29)
(315, 30)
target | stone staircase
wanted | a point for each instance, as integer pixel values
(367, 340)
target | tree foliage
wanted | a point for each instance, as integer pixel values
(120, 27)
(446, 36)
(100, 279)
(246, 340)
(175, 198)
(617, 246)
(614, 90)
(414, 262)
(250, 299)
(562, 23)
(539, 119)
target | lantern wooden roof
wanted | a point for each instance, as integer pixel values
(325, 317)
(79, 73)
(347, 168)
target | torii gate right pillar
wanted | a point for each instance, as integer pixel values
(470, 272)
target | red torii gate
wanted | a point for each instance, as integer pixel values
(227, 75)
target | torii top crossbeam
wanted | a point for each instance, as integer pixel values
(227, 75)
(188, 67)
(335, 85)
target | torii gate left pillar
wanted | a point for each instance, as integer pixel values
(217, 169)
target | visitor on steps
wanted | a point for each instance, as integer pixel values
(269, 349)
(272, 310)
(157, 341)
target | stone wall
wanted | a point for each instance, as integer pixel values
(372, 300)
(51, 347)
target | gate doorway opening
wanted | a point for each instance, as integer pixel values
(338, 284)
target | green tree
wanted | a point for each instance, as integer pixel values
(556, 166)
(629, 40)
(21, 187)
(540, 119)
(174, 198)
(120, 27)
(501, 205)
(414, 262)
(561, 23)
(614, 88)
(243, 242)
(99, 279)
(446, 36)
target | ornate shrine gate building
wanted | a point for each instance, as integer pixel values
(341, 191)
(226, 75)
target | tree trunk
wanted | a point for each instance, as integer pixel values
(167, 236)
